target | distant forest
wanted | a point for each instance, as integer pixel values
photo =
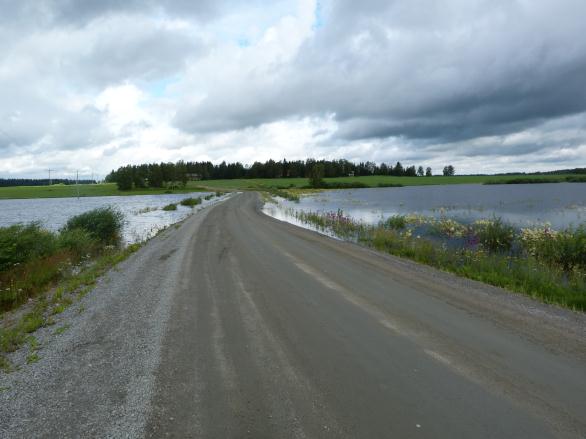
(4, 182)
(161, 174)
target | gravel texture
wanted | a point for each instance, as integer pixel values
(101, 367)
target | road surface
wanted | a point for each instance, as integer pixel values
(236, 325)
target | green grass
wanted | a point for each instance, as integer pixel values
(369, 181)
(169, 207)
(86, 190)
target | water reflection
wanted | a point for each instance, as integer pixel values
(561, 204)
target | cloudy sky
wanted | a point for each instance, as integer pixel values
(487, 85)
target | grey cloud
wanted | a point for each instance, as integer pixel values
(78, 13)
(420, 70)
(130, 49)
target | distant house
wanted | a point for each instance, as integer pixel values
(351, 174)
(193, 177)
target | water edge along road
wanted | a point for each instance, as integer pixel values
(238, 325)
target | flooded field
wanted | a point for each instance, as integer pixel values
(559, 205)
(142, 213)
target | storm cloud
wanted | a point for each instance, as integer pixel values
(487, 85)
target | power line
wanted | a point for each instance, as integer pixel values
(49, 170)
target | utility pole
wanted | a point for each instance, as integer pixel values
(50, 176)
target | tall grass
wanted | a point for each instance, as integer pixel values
(32, 258)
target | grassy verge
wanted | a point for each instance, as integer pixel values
(70, 289)
(542, 263)
(34, 260)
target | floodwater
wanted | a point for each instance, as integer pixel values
(560, 204)
(142, 213)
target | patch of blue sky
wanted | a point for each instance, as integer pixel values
(159, 87)
(318, 16)
(243, 42)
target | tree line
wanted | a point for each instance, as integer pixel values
(166, 174)
(5, 182)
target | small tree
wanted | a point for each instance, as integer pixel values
(398, 169)
(420, 171)
(316, 175)
(449, 171)
(124, 178)
(428, 172)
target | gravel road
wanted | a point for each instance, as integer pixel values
(236, 325)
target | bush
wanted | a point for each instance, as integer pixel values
(20, 243)
(78, 241)
(170, 207)
(103, 224)
(396, 222)
(191, 202)
(494, 234)
(566, 249)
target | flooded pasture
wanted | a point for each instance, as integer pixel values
(142, 213)
(524, 205)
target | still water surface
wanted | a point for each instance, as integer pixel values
(560, 204)
(140, 222)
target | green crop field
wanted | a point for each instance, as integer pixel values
(372, 181)
(85, 190)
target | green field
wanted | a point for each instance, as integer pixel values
(372, 181)
(85, 190)
(109, 189)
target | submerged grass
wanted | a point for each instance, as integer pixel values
(190, 202)
(547, 265)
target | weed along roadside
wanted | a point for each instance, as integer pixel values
(546, 264)
(42, 273)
